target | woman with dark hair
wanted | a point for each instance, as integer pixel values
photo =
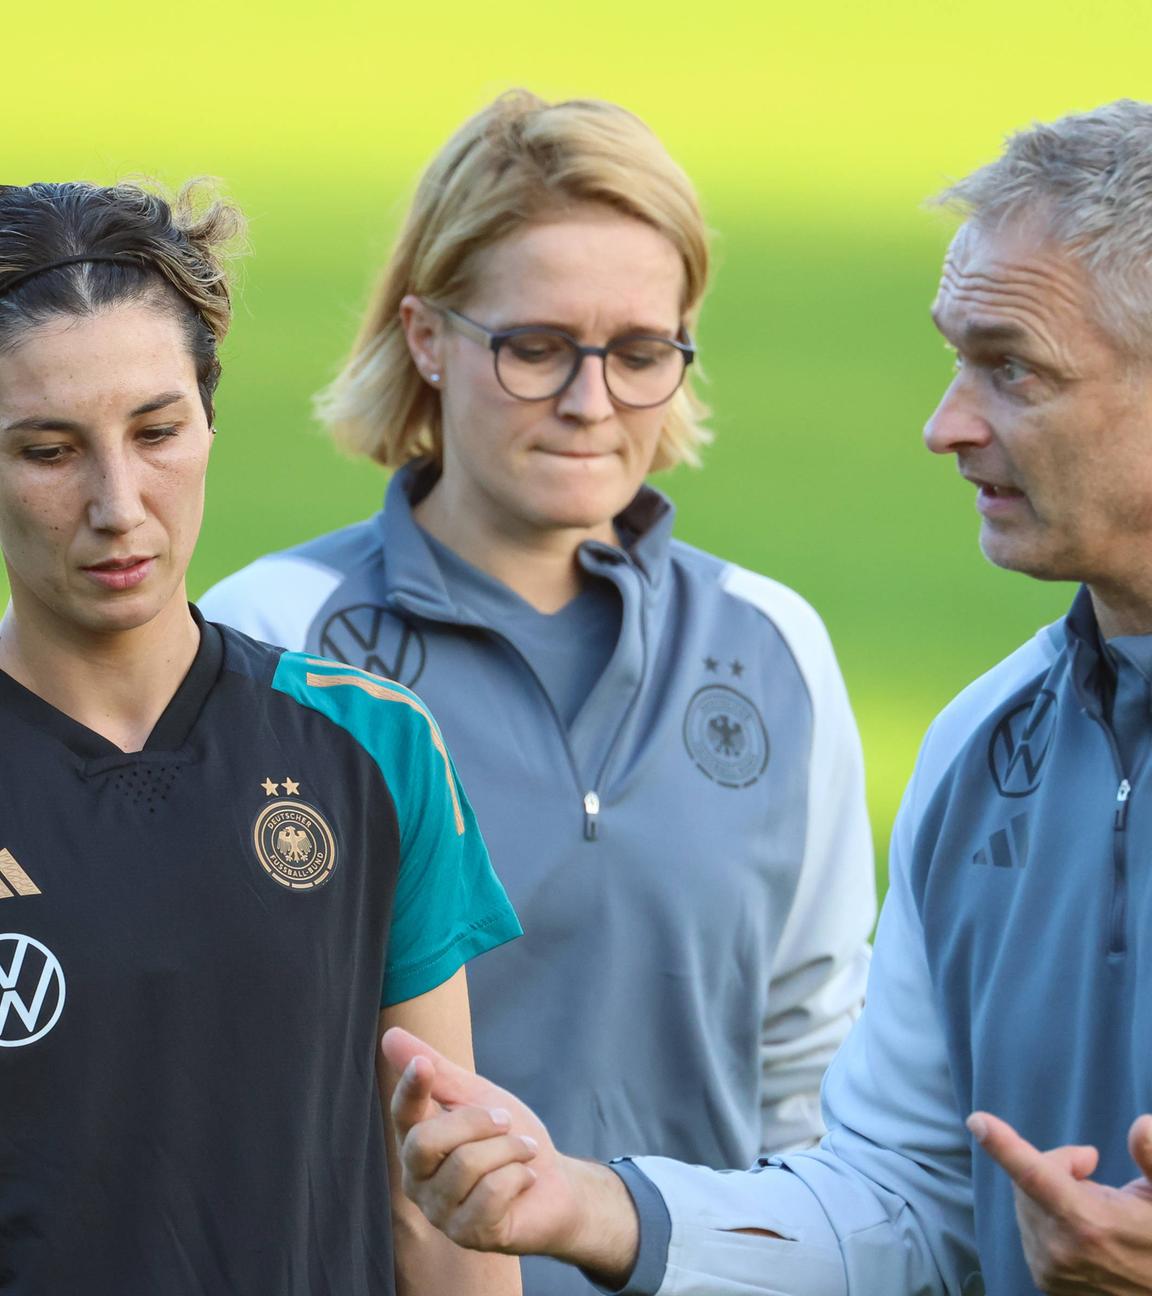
(658, 742)
(223, 867)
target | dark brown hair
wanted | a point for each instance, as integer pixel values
(171, 253)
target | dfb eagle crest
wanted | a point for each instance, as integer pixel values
(725, 736)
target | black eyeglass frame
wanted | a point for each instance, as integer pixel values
(496, 338)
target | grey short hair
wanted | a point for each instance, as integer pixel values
(1087, 180)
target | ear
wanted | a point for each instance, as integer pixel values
(424, 332)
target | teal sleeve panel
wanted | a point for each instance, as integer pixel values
(449, 904)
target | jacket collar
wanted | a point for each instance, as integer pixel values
(1093, 672)
(412, 576)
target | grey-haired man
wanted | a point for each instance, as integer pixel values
(1014, 943)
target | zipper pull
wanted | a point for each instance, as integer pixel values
(1122, 794)
(591, 810)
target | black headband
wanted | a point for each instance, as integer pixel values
(123, 259)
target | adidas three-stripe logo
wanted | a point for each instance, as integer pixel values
(14, 880)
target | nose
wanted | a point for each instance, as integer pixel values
(115, 503)
(586, 398)
(957, 422)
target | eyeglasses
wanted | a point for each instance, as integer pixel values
(535, 363)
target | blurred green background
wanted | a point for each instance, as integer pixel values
(813, 132)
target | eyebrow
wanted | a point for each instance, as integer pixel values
(977, 333)
(629, 330)
(51, 424)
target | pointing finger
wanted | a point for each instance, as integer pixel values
(1049, 1178)
(411, 1099)
(451, 1084)
(400, 1047)
(1011, 1152)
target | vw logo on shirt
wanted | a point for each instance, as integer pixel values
(371, 637)
(31, 990)
(1019, 745)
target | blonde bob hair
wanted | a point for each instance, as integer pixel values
(519, 159)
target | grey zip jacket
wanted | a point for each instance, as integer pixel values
(690, 860)
(1009, 960)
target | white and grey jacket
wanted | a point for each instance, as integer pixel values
(690, 860)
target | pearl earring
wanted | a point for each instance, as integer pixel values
(434, 378)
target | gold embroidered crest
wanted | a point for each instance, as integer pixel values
(294, 844)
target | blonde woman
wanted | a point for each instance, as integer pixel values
(658, 743)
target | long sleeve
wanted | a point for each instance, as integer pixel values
(821, 965)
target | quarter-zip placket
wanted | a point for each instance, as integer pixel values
(589, 797)
(1118, 909)
(1088, 667)
(1118, 941)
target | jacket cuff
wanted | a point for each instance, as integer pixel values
(655, 1233)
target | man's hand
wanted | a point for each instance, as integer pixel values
(1079, 1236)
(483, 1169)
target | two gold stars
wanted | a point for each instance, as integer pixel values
(272, 789)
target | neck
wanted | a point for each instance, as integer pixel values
(116, 683)
(538, 564)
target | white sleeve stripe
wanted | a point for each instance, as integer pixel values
(797, 621)
(275, 598)
(835, 776)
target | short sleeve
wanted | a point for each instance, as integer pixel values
(449, 905)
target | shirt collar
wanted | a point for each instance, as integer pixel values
(170, 732)
(1093, 668)
(411, 571)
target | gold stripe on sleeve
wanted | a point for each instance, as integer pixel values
(377, 689)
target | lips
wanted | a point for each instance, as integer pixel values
(998, 502)
(117, 564)
(575, 454)
(120, 573)
(989, 487)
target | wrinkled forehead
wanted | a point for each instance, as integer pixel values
(1013, 268)
(1010, 244)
